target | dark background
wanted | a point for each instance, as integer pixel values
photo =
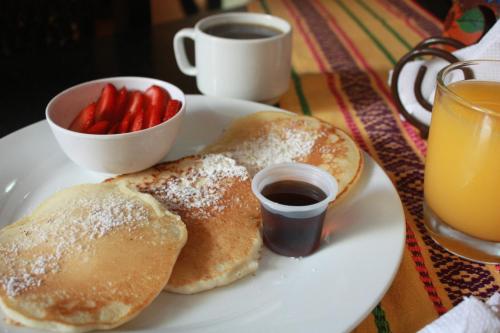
(49, 45)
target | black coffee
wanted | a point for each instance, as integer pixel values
(242, 31)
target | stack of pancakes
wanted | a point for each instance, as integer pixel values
(94, 256)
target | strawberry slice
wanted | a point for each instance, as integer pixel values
(125, 123)
(121, 104)
(135, 103)
(173, 106)
(157, 95)
(156, 113)
(138, 123)
(157, 98)
(147, 109)
(114, 128)
(84, 119)
(100, 127)
(106, 104)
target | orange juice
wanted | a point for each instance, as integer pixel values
(462, 173)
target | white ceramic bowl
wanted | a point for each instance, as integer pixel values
(112, 153)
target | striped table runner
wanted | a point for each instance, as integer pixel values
(342, 52)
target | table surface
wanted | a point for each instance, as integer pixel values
(342, 53)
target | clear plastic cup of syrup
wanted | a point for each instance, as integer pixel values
(294, 198)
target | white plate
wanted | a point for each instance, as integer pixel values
(330, 291)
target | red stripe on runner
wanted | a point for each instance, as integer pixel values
(329, 77)
(414, 135)
(378, 80)
(416, 254)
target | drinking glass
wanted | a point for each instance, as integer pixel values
(462, 169)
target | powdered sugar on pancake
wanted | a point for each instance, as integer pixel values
(85, 219)
(201, 188)
(276, 146)
(111, 213)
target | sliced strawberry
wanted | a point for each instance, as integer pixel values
(114, 128)
(157, 100)
(173, 106)
(84, 119)
(121, 104)
(147, 109)
(156, 113)
(125, 123)
(138, 123)
(106, 104)
(100, 127)
(135, 103)
(157, 95)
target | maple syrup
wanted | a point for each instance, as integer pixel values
(292, 236)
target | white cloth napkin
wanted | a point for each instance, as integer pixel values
(487, 48)
(470, 316)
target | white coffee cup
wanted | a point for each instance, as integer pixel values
(252, 69)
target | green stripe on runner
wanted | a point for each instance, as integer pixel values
(380, 320)
(265, 7)
(384, 23)
(300, 93)
(365, 29)
(304, 105)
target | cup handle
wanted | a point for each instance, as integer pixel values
(180, 51)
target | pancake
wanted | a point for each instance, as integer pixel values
(89, 257)
(213, 197)
(265, 138)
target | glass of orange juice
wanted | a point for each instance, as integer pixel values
(462, 169)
